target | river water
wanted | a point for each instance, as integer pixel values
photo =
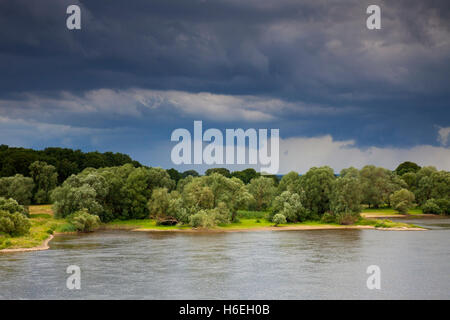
(317, 264)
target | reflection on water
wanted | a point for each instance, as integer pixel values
(249, 265)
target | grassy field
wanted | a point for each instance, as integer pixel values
(389, 211)
(42, 225)
(248, 220)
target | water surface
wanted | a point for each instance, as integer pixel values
(316, 264)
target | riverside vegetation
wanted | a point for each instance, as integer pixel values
(136, 196)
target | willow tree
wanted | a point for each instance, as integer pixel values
(262, 189)
(45, 179)
(317, 184)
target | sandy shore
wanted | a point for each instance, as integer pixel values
(288, 228)
(43, 246)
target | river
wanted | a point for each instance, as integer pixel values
(317, 264)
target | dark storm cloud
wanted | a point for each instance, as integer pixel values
(299, 49)
(309, 67)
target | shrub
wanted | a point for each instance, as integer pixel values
(347, 218)
(83, 221)
(68, 200)
(12, 206)
(202, 219)
(444, 205)
(14, 224)
(328, 218)
(402, 200)
(279, 219)
(431, 206)
(18, 187)
(290, 206)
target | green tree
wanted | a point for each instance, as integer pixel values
(208, 192)
(290, 182)
(14, 224)
(45, 179)
(431, 206)
(346, 195)
(175, 175)
(83, 221)
(279, 219)
(12, 206)
(376, 185)
(262, 189)
(350, 173)
(18, 187)
(317, 184)
(188, 173)
(440, 185)
(425, 184)
(223, 171)
(410, 179)
(289, 204)
(67, 200)
(246, 175)
(406, 167)
(165, 207)
(402, 200)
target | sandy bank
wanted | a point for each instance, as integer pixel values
(285, 228)
(43, 246)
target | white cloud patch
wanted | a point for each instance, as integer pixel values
(132, 102)
(300, 154)
(443, 135)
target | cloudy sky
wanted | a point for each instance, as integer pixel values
(340, 94)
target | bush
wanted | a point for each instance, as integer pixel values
(83, 221)
(328, 218)
(431, 206)
(444, 205)
(402, 200)
(14, 224)
(279, 219)
(202, 219)
(12, 206)
(290, 206)
(347, 218)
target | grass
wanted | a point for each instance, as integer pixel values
(383, 223)
(243, 223)
(390, 211)
(42, 225)
(140, 224)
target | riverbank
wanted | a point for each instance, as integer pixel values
(43, 246)
(391, 213)
(44, 227)
(246, 225)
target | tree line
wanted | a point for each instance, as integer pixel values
(132, 191)
(66, 161)
(127, 192)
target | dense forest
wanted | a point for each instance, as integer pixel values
(66, 161)
(107, 187)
